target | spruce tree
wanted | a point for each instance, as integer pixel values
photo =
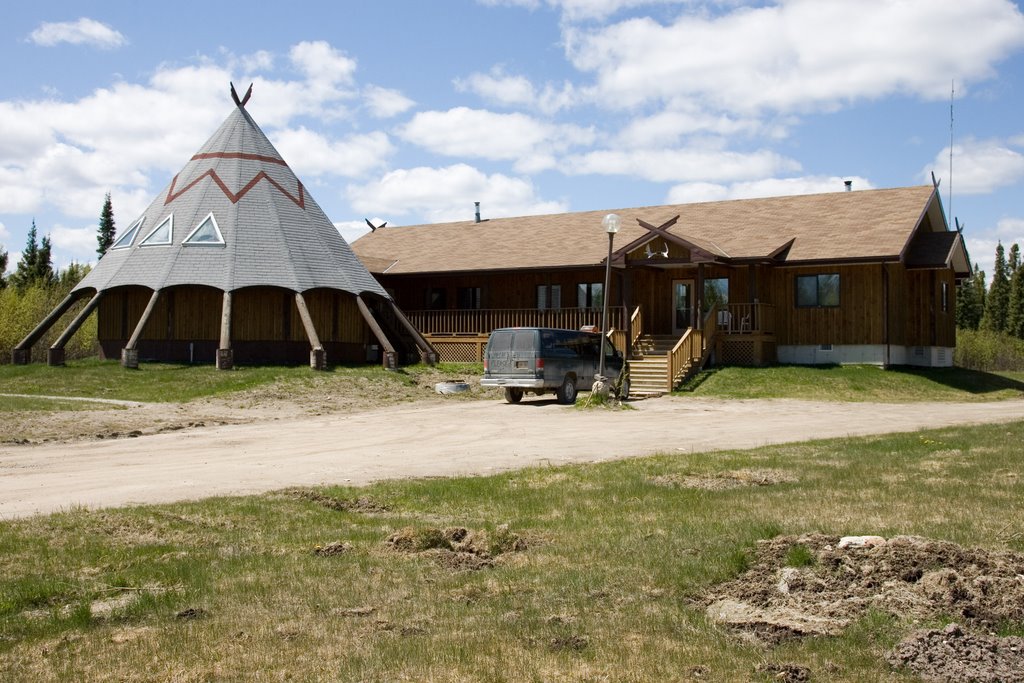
(107, 230)
(23, 274)
(35, 265)
(1015, 305)
(970, 300)
(997, 302)
(3, 268)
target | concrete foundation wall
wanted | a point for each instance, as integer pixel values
(871, 354)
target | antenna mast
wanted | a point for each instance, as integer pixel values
(952, 93)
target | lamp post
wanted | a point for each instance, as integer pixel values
(611, 224)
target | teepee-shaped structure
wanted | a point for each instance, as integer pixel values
(234, 261)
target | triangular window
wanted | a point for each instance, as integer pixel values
(128, 237)
(206, 232)
(161, 234)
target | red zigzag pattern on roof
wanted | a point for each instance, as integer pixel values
(299, 201)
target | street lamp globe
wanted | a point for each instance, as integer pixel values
(611, 223)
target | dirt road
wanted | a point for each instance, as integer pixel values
(474, 437)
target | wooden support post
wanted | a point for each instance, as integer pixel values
(55, 355)
(390, 358)
(428, 354)
(22, 353)
(700, 295)
(129, 354)
(317, 357)
(225, 354)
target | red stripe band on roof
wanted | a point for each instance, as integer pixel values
(239, 155)
(299, 201)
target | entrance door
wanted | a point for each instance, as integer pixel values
(682, 305)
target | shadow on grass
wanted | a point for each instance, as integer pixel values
(962, 379)
(691, 385)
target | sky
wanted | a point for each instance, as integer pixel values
(409, 112)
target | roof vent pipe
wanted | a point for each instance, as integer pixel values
(477, 211)
(849, 185)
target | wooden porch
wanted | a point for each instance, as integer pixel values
(735, 334)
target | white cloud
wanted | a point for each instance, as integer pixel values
(82, 32)
(68, 154)
(384, 103)
(507, 90)
(1011, 227)
(463, 132)
(4, 232)
(688, 193)
(798, 55)
(669, 126)
(582, 10)
(353, 230)
(320, 62)
(311, 154)
(681, 165)
(447, 194)
(77, 244)
(979, 167)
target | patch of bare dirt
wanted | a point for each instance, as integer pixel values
(839, 580)
(951, 654)
(320, 394)
(721, 481)
(457, 548)
(332, 548)
(786, 673)
(363, 504)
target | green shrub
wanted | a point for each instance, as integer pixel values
(988, 351)
(21, 311)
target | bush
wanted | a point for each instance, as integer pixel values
(21, 311)
(988, 351)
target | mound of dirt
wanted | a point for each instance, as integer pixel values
(835, 581)
(951, 654)
(363, 504)
(456, 548)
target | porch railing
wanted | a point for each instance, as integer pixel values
(745, 319)
(636, 325)
(482, 321)
(691, 347)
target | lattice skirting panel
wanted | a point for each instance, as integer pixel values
(468, 351)
(746, 352)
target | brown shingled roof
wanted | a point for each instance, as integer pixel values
(835, 226)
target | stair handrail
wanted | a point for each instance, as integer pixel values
(636, 325)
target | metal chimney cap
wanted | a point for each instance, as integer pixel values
(849, 185)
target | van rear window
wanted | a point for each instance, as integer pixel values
(522, 340)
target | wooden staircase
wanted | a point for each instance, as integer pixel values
(648, 369)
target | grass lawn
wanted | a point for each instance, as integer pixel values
(303, 586)
(165, 382)
(856, 383)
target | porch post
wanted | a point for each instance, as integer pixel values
(317, 357)
(225, 354)
(22, 353)
(700, 295)
(55, 355)
(129, 354)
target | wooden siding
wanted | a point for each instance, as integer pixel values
(259, 314)
(857, 319)
(497, 290)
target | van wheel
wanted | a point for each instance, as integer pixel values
(567, 392)
(513, 394)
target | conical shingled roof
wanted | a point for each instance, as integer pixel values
(274, 233)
